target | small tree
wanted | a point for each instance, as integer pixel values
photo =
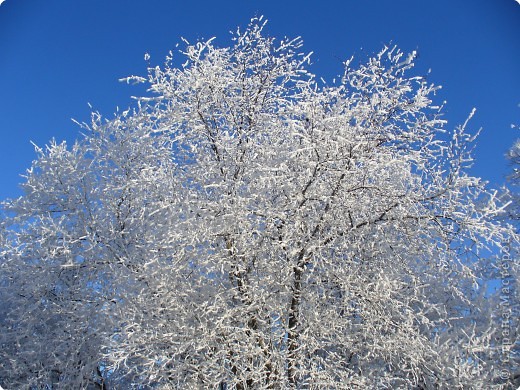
(247, 228)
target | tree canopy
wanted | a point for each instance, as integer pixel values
(248, 226)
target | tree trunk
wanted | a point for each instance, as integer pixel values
(293, 331)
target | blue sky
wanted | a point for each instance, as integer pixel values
(56, 56)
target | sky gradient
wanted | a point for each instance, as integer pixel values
(56, 56)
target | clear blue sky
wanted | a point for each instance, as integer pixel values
(58, 55)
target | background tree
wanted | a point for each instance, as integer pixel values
(247, 227)
(73, 238)
(509, 299)
(513, 156)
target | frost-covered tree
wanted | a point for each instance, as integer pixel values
(508, 299)
(513, 155)
(73, 237)
(247, 227)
